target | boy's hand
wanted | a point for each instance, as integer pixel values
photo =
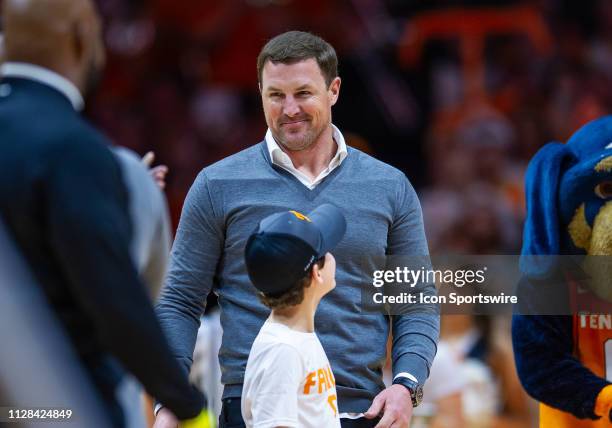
(165, 419)
(395, 405)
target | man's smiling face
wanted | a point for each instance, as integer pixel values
(297, 102)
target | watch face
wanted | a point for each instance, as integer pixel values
(416, 390)
(417, 397)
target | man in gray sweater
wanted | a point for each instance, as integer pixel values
(302, 163)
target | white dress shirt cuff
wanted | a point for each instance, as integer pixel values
(157, 408)
(406, 375)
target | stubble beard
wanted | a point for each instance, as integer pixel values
(307, 139)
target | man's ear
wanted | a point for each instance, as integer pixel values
(1, 47)
(78, 36)
(334, 90)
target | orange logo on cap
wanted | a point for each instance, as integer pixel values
(300, 216)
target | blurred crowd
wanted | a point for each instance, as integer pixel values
(457, 94)
(459, 108)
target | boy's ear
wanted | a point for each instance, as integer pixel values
(315, 274)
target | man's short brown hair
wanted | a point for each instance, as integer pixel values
(296, 46)
(293, 296)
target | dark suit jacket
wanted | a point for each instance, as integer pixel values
(65, 205)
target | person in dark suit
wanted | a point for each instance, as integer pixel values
(63, 200)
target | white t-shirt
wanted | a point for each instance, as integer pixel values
(288, 381)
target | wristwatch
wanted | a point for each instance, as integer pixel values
(416, 390)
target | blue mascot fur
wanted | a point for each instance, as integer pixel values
(565, 361)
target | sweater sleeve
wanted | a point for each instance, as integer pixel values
(415, 333)
(195, 254)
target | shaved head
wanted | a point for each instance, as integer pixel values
(62, 35)
(45, 12)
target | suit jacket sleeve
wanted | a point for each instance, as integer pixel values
(89, 230)
(415, 332)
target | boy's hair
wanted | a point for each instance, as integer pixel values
(295, 46)
(293, 296)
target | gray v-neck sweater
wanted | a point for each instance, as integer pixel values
(223, 207)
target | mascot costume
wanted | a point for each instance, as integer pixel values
(564, 359)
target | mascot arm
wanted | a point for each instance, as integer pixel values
(543, 349)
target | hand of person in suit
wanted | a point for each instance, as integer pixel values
(165, 419)
(395, 405)
(158, 172)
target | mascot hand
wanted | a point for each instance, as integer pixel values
(603, 405)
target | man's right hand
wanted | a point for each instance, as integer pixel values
(165, 419)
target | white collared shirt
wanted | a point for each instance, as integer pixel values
(282, 159)
(46, 77)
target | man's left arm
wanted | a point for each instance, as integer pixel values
(416, 331)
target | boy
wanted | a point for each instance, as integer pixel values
(288, 380)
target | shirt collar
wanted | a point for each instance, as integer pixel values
(279, 157)
(44, 76)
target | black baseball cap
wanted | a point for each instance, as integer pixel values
(286, 244)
